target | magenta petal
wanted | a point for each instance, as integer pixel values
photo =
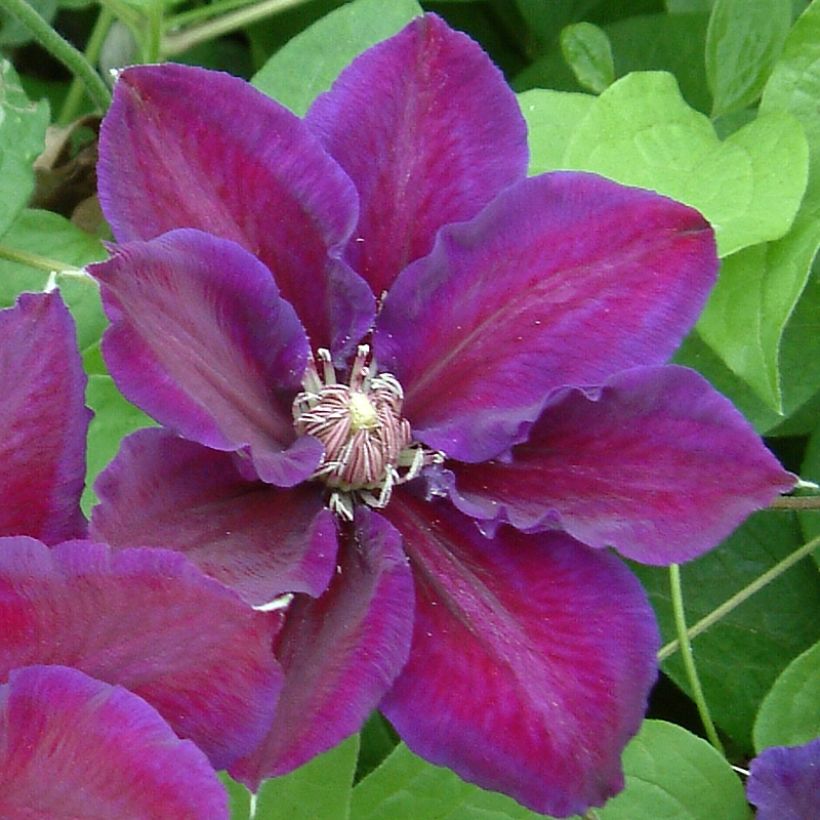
(656, 464)
(163, 491)
(183, 147)
(784, 782)
(43, 421)
(72, 746)
(340, 653)
(151, 622)
(201, 339)
(531, 662)
(429, 131)
(564, 279)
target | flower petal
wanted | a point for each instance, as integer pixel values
(429, 132)
(564, 279)
(183, 147)
(263, 542)
(531, 662)
(784, 782)
(340, 653)
(43, 419)
(147, 620)
(72, 746)
(656, 464)
(202, 340)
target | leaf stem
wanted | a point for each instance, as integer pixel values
(34, 260)
(61, 49)
(736, 600)
(689, 659)
(177, 42)
(185, 18)
(796, 502)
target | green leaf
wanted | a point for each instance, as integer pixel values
(740, 657)
(743, 41)
(114, 418)
(239, 798)
(405, 787)
(810, 471)
(673, 774)
(320, 789)
(312, 60)
(588, 53)
(790, 713)
(22, 136)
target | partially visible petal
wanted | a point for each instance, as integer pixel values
(183, 147)
(340, 653)
(201, 340)
(72, 746)
(656, 464)
(43, 420)
(163, 491)
(429, 131)
(784, 782)
(531, 662)
(151, 622)
(564, 279)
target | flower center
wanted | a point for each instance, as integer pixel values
(368, 445)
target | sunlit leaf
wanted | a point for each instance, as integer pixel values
(587, 50)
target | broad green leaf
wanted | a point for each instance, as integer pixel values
(790, 713)
(641, 132)
(308, 64)
(320, 789)
(22, 136)
(239, 798)
(673, 774)
(114, 418)
(744, 39)
(740, 657)
(405, 787)
(587, 50)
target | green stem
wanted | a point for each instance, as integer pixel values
(71, 105)
(689, 660)
(33, 260)
(736, 600)
(61, 49)
(796, 502)
(177, 42)
(185, 18)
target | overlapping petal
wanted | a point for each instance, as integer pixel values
(784, 782)
(72, 746)
(201, 339)
(183, 147)
(655, 463)
(263, 542)
(564, 279)
(151, 622)
(429, 132)
(340, 653)
(43, 419)
(531, 662)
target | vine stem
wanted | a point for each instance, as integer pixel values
(34, 260)
(796, 502)
(61, 49)
(689, 659)
(736, 600)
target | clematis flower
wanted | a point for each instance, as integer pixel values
(784, 782)
(79, 622)
(409, 396)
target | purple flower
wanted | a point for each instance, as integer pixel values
(409, 395)
(80, 621)
(784, 782)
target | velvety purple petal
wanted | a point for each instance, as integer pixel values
(163, 491)
(531, 662)
(201, 340)
(429, 131)
(340, 653)
(656, 464)
(564, 279)
(183, 147)
(151, 622)
(784, 782)
(43, 420)
(72, 746)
